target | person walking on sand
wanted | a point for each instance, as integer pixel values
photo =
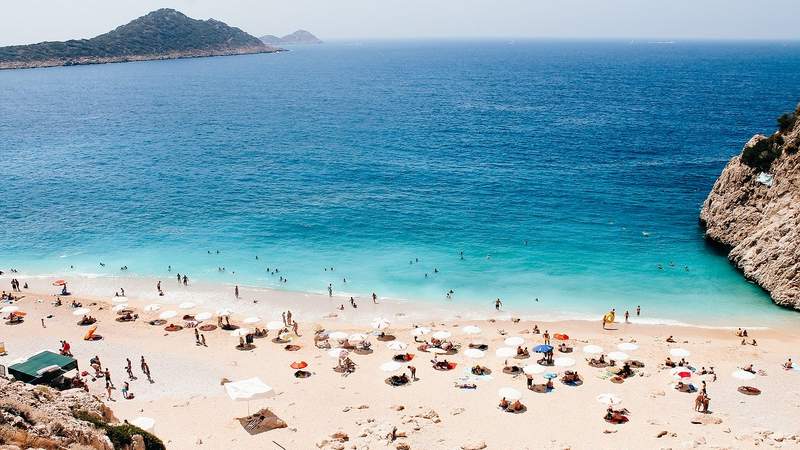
(185, 280)
(627, 315)
(497, 304)
(374, 298)
(146, 370)
(196, 336)
(108, 392)
(107, 376)
(236, 291)
(413, 371)
(129, 368)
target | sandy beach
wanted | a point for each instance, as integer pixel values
(191, 408)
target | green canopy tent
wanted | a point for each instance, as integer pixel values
(42, 367)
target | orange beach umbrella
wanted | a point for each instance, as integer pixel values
(561, 337)
(299, 365)
(59, 283)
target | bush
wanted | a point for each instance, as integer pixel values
(763, 153)
(786, 122)
(121, 435)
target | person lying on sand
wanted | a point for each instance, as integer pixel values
(465, 385)
(517, 406)
(684, 387)
(671, 339)
(616, 416)
(479, 370)
(749, 368)
(570, 377)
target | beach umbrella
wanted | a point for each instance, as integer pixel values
(224, 312)
(357, 337)
(380, 323)
(145, 423)
(618, 356)
(505, 352)
(550, 375)
(153, 307)
(118, 300)
(419, 331)
(627, 346)
(202, 316)
(167, 315)
(246, 390)
(275, 326)
(252, 320)
(338, 353)
(543, 348)
(81, 311)
(471, 329)
(514, 341)
(437, 350)
(683, 374)
(297, 365)
(474, 353)
(119, 307)
(59, 283)
(679, 352)
(743, 375)
(593, 349)
(609, 399)
(187, 305)
(509, 393)
(443, 334)
(533, 369)
(564, 362)
(239, 332)
(397, 345)
(561, 337)
(9, 309)
(391, 366)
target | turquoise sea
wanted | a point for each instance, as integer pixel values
(563, 170)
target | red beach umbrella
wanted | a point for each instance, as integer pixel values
(59, 283)
(561, 337)
(297, 365)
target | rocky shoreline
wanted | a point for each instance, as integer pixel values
(131, 58)
(753, 211)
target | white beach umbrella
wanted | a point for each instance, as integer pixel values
(338, 353)
(564, 362)
(505, 352)
(224, 312)
(81, 312)
(419, 331)
(239, 332)
(471, 329)
(397, 345)
(437, 350)
(679, 352)
(618, 356)
(252, 319)
(145, 423)
(391, 366)
(119, 307)
(534, 369)
(509, 393)
(593, 349)
(474, 353)
(167, 315)
(9, 309)
(380, 323)
(514, 341)
(118, 300)
(274, 325)
(627, 346)
(153, 307)
(609, 399)
(357, 337)
(187, 305)
(202, 316)
(743, 375)
(441, 334)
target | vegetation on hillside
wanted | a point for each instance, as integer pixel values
(163, 31)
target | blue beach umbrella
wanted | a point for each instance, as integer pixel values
(550, 375)
(543, 348)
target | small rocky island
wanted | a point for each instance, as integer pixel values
(754, 211)
(161, 34)
(296, 38)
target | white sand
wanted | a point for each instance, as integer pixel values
(190, 406)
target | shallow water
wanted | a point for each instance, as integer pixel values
(367, 156)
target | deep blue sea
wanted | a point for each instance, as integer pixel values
(564, 171)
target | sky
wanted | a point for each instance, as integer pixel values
(28, 21)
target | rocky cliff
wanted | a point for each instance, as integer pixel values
(754, 211)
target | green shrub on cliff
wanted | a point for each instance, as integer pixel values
(763, 153)
(121, 435)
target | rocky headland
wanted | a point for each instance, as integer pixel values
(753, 211)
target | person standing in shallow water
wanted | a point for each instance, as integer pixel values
(374, 298)
(497, 304)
